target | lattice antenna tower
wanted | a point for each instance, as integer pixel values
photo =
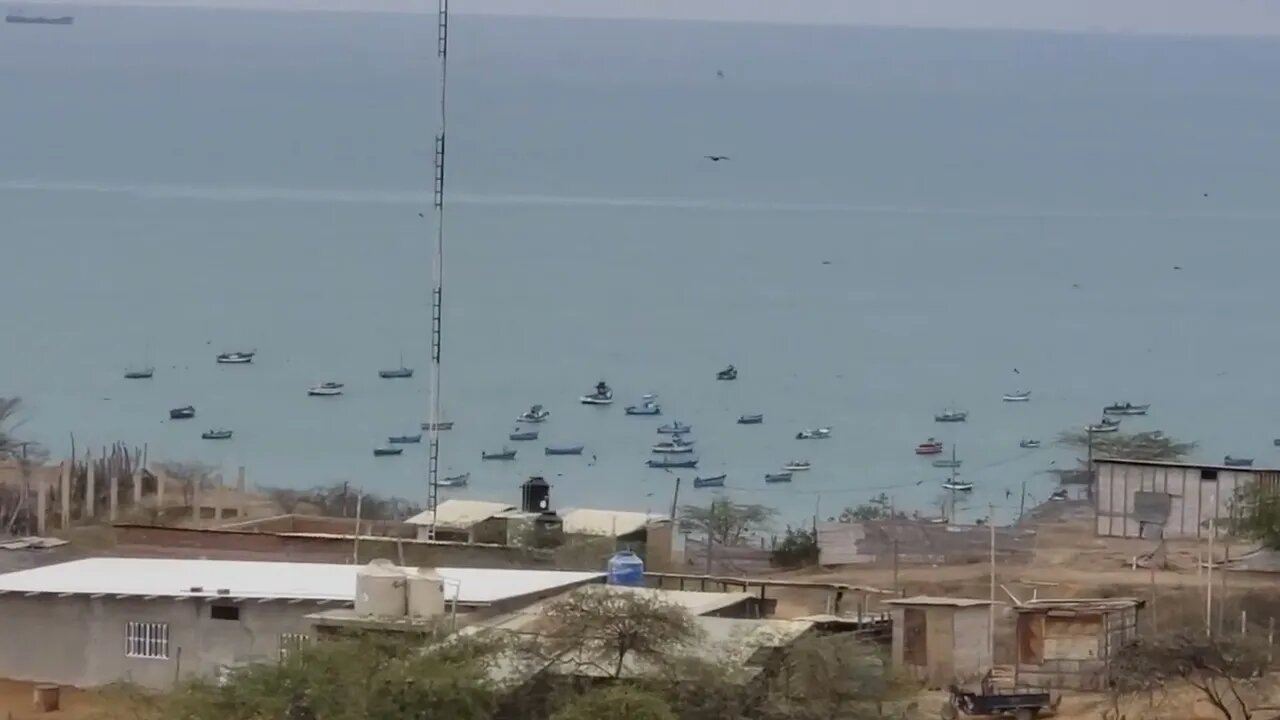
(437, 276)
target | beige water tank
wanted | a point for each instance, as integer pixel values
(426, 593)
(380, 589)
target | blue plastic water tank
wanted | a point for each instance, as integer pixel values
(626, 568)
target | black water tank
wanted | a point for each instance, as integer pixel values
(535, 495)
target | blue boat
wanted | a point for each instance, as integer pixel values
(784, 477)
(563, 450)
(404, 439)
(706, 482)
(675, 428)
(505, 454)
(750, 419)
(668, 461)
(386, 451)
(523, 435)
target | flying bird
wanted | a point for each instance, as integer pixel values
(1015, 371)
(720, 74)
(716, 158)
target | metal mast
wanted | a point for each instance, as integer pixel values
(437, 277)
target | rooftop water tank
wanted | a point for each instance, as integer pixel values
(626, 568)
(426, 593)
(380, 590)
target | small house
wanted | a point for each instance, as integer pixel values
(1070, 643)
(941, 640)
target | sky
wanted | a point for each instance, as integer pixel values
(1177, 17)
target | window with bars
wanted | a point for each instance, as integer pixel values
(290, 642)
(146, 640)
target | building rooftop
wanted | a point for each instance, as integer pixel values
(239, 579)
(1169, 463)
(609, 523)
(1078, 605)
(940, 601)
(461, 514)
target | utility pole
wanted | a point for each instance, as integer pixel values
(437, 276)
(1208, 578)
(991, 607)
(895, 566)
(675, 498)
(1022, 503)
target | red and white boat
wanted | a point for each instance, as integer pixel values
(929, 447)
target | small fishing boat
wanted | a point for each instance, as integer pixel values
(675, 428)
(563, 450)
(603, 395)
(750, 419)
(945, 463)
(454, 480)
(648, 407)
(182, 413)
(1058, 495)
(797, 466)
(950, 415)
(140, 374)
(438, 426)
(535, 414)
(1126, 408)
(505, 454)
(236, 358)
(782, 477)
(957, 485)
(1017, 396)
(1101, 428)
(215, 435)
(1276, 442)
(400, 372)
(706, 482)
(1112, 422)
(523, 435)
(1237, 461)
(324, 390)
(405, 439)
(729, 373)
(387, 451)
(673, 462)
(929, 447)
(821, 433)
(676, 445)
(1029, 444)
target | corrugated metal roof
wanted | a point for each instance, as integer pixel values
(1201, 466)
(150, 577)
(939, 601)
(461, 514)
(1078, 604)
(610, 523)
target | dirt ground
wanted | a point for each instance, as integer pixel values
(16, 703)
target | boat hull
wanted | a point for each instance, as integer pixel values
(215, 436)
(706, 482)
(182, 414)
(668, 464)
(498, 456)
(438, 426)
(632, 410)
(575, 450)
(523, 436)
(797, 468)
(455, 481)
(404, 439)
(672, 449)
(750, 419)
(958, 487)
(595, 400)
(393, 374)
(676, 429)
(778, 477)
(387, 452)
(1017, 398)
(947, 463)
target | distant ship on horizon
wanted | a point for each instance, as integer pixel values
(17, 17)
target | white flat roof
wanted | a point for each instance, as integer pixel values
(150, 577)
(459, 513)
(610, 523)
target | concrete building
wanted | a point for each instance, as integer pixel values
(1154, 499)
(941, 640)
(154, 621)
(1069, 643)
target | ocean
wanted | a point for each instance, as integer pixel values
(907, 216)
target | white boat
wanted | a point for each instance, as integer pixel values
(1101, 428)
(535, 414)
(236, 358)
(1029, 444)
(1018, 396)
(797, 466)
(324, 390)
(821, 433)
(673, 446)
(957, 485)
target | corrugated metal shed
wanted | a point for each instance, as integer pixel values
(461, 514)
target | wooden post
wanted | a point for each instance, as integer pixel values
(42, 499)
(65, 492)
(86, 510)
(113, 486)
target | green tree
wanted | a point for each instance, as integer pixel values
(832, 676)
(879, 507)
(618, 702)
(1130, 446)
(1229, 672)
(798, 548)
(724, 521)
(1256, 512)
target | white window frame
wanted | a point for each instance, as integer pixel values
(146, 640)
(290, 642)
